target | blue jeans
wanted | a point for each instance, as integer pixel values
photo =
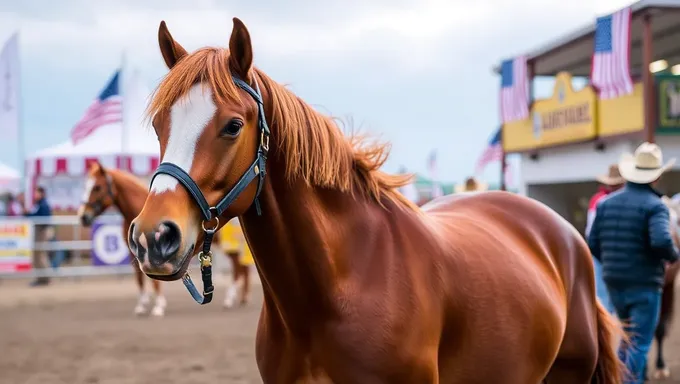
(638, 306)
(601, 288)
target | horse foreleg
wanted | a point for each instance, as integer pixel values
(143, 299)
(231, 290)
(245, 285)
(662, 371)
(160, 302)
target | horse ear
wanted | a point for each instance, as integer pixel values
(96, 168)
(170, 49)
(240, 50)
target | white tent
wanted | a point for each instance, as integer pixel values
(10, 179)
(131, 145)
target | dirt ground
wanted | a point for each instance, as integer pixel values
(85, 332)
(75, 332)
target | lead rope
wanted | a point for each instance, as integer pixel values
(205, 258)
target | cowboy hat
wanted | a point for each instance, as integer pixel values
(645, 165)
(471, 184)
(612, 178)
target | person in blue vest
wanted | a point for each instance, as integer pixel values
(631, 237)
(41, 208)
(609, 183)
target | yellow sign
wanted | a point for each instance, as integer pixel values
(566, 117)
(621, 115)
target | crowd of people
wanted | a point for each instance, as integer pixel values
(629, 233)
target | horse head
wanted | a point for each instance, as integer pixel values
(209, 118)
(98, 196)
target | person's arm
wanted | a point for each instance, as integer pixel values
(594, 234)
(660, 239)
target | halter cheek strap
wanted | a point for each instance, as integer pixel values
(257, 170)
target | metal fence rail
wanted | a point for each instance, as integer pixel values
(77, 244)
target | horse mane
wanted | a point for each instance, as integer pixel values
(316, 150)
(128, 178)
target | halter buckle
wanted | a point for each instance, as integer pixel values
(213, 229)
(264, 141)
(205, 258)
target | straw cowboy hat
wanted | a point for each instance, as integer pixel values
(612, 178)
(471, 184)
(645, 165)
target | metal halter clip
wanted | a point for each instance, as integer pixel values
(264, 141)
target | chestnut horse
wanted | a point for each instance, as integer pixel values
(105, 188)
(360, 285)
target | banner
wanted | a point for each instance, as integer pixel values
(16, 245)
(9, 88)
(668, 102)
(108, 245)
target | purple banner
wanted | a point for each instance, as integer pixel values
(108, 245)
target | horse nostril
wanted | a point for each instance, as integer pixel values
(168, 239)
(131, 240)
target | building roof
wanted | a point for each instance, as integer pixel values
(572, 52)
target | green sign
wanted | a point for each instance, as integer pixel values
(668, 103)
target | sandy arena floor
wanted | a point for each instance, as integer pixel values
(75, 332)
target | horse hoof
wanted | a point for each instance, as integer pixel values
(228, 304)
(140, 310)
(158, 311)
(661, 374)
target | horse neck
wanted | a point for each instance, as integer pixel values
(129, 195)
(301, 244)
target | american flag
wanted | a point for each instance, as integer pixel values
(514, 90)
(107, 108)
(610, 70)
(493, 152)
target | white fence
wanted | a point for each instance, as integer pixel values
(18, 247)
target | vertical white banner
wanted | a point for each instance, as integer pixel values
(9, 89)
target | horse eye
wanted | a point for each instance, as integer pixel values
(232, 128)
(96, 188)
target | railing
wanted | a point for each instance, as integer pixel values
(66, 270)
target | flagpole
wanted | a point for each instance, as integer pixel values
(504, 166)
(123, 90)
(21, 144)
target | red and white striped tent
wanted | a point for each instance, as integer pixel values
(130, 146)
(10, 179)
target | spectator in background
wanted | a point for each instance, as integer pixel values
(609, 183)
(14, 207)
(631, 237)
(42, 234)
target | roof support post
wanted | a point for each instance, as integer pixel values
(648, 79)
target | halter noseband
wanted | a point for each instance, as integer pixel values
(212, 213)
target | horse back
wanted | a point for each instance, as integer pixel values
(510, 237)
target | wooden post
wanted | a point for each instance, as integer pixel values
(648, 79)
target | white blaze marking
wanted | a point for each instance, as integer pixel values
(188, 118)
(89, 184)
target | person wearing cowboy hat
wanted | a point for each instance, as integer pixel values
(631, 237)
(471, 185)
(610, 182)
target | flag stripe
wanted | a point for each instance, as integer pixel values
(610, 70)
(514, 95)
(107, 108)
(493, 152)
